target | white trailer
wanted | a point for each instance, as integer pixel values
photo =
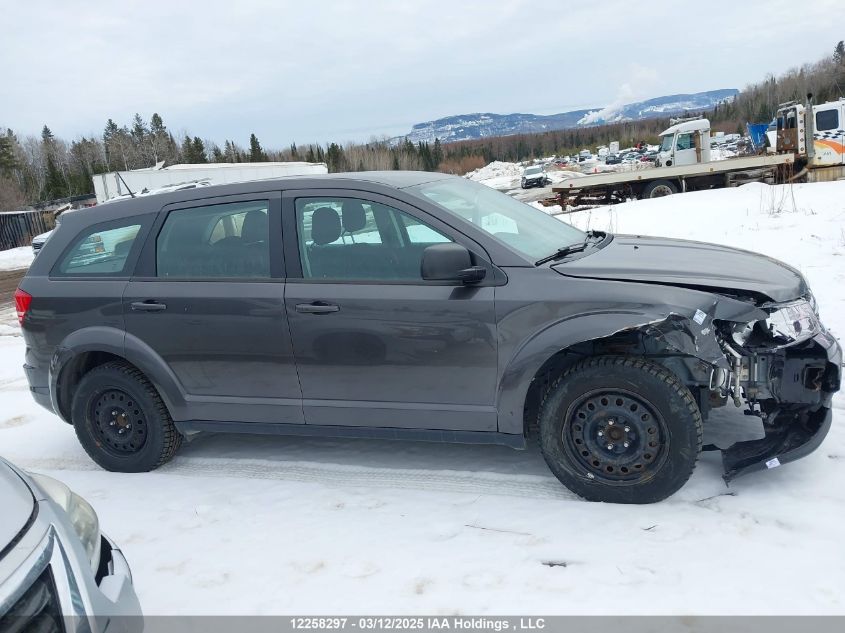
(121, 183)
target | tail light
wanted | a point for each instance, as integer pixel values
(22, 302)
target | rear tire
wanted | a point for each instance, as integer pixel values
(620, 429)
(121, 421)
(659, 189)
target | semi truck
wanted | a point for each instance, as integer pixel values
(810, 146)
(815, 134)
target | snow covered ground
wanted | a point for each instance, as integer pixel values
(249, 525)
(15, 258)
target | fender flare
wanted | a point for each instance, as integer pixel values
(531, 355)
(115, 341)
(669, 323)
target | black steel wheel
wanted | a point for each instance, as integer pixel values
(121, 421)
(620, 429)
(616, 435)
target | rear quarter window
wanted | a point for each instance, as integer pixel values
(102, 250)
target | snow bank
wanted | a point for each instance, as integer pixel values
(16, 258)
(498, 175)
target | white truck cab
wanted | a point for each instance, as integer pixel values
(826, 132)
(687, 142)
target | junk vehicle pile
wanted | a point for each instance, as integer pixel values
(809, 145)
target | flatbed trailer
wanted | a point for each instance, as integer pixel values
(662, 181)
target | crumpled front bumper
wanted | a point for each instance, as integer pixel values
(802, 425)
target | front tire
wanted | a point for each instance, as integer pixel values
(620, 430)
(121, 421)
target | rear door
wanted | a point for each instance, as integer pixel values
(829, 133)
(208, 298)
(375, 344)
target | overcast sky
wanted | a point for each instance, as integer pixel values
(321, 70)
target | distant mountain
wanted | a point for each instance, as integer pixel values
(465, 127)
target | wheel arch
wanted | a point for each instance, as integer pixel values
(88, 348)
(557, 347)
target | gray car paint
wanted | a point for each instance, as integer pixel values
(688, 263)
(452, 357)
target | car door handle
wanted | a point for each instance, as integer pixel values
(316, 307)
(148, 306)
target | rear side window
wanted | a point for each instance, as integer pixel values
(221, 241)
(101, 252)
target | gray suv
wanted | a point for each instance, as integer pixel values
(418, 306)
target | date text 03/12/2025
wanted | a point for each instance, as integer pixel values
(435, 623)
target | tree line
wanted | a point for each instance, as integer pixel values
(46, 167)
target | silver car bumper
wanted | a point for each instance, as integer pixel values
(47, 568)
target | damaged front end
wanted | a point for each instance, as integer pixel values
(775, 359)
(786, 369)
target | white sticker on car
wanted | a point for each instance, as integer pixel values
(774, 462)
(699, 317)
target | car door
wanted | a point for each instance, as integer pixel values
(375, 344)
(208, 299)
(685, 152)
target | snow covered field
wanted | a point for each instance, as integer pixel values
(248, 525)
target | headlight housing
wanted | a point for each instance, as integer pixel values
(788, 324)
(81, 514)
(794, 322)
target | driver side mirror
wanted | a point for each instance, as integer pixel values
(450, 262)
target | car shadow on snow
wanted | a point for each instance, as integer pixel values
(724, 427)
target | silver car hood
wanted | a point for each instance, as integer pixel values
(17, 503)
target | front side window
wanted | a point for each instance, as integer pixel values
(666, 143)
(101, 252)
(360, 240)
(827, 120)
(219, 241)
(530, 231)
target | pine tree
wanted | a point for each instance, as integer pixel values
(336, 159)
(55, 185)
(160, 140)
(188, 150)
(199, 151)
(8, 161)
(217, 154)
(437, 153)
(311, 157)
(256, 154)
(839, 52)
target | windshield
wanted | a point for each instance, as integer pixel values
(533, 170)
(666, 143)
(530, 231)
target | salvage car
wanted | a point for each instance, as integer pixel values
(58, 572)
(419, 306)
(534, 177)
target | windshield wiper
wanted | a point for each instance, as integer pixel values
(563, 251)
